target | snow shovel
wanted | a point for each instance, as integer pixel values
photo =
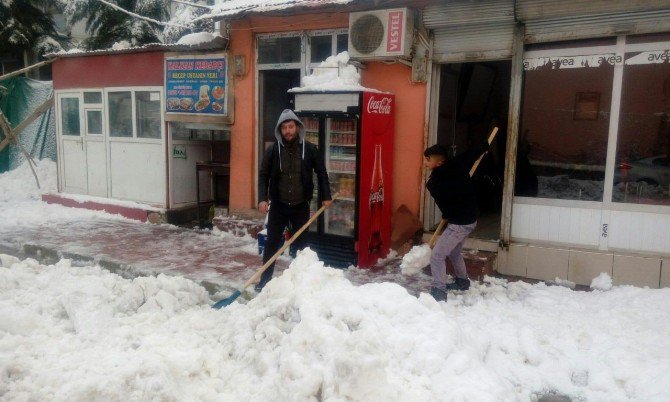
(237, 293)
(473, 169)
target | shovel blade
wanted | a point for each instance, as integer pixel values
(228, 300)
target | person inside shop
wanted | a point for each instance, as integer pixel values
(451, 187)
(285, 182)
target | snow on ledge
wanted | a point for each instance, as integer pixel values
(333, 75)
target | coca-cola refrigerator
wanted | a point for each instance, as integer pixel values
(354, 131)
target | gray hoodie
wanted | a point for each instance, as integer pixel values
(286, 115)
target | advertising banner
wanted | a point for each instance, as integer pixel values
(196, 85)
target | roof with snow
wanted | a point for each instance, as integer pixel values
(233, 8)
(190, 43)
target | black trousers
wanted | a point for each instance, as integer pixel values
(279, 217)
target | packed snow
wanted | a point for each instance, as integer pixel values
(81, 333)
(333, 74)
(196, 38)
(417, 258)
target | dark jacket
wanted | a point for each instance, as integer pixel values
(312, 162)
(451, 187)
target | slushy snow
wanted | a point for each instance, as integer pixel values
(417, 258)
(81, 333)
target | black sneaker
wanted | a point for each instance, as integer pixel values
(459, 284)
(438, 294)
(258, 287)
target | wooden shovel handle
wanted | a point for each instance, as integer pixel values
(287, 243)
(473, 169)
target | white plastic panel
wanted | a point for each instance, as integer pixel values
(96, 168)
(310, 102)
(138, 172)
(639, 231)
(564, 225)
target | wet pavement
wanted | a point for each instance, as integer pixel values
(219, 259)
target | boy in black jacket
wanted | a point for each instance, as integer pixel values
(450, 185)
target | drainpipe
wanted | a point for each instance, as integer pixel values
(512, 136)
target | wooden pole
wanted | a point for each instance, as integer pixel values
(23, 70)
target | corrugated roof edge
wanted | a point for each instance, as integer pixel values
(218, 43)
(280, 9)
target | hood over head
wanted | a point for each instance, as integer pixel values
(286, 115)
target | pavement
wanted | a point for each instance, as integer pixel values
(220, 259)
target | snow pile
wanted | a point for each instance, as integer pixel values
(121, 45)
(196, 38)
(21, 199)
(602, 282)
(333, 74)
(20, 183)
(417, 258)
(84, 334)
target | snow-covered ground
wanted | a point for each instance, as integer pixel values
(83, 334)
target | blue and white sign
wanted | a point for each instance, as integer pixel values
(196, 85)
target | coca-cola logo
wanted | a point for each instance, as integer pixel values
(380, 106)
(377, 196)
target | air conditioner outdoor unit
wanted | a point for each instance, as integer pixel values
(381, 34)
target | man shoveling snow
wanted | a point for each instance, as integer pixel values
(450, 185)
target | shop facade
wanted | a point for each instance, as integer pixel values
(576, 182)
(133, 131)
(586, 133)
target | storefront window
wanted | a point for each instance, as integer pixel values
(276, 50)
(92, 97)
(93, 122)
(342, 43)
(120, 114)
(148, 114)
(321, 48)
(642, 170)
(70, 116)
(564, 127)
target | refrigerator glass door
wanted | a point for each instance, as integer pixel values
(312, 135)
(341, 155)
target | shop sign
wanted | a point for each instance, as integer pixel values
(652, 57)
(179, 152)
(196, 85)
(562, 62)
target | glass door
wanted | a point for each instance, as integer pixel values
(341, 159)
(312, 125)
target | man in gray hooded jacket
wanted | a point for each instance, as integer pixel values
(285, 180)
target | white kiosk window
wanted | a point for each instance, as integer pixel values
(70, 116)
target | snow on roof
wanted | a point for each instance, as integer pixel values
(192, 42)
(333, 75)
(196, 38)
(234, 7)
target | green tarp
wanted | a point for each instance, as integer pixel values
(19, 97)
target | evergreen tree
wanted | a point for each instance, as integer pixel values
(25, 26)
(107, 25)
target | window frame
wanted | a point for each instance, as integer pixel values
(133, 90)
(618, 50)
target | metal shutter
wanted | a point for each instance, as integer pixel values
(469, 30)
(550, 20)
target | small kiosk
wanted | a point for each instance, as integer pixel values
(144, 132)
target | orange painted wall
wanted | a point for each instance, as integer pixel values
(409, 123)
(410, 99)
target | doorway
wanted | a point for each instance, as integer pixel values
(274, 98)
(473, 98)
